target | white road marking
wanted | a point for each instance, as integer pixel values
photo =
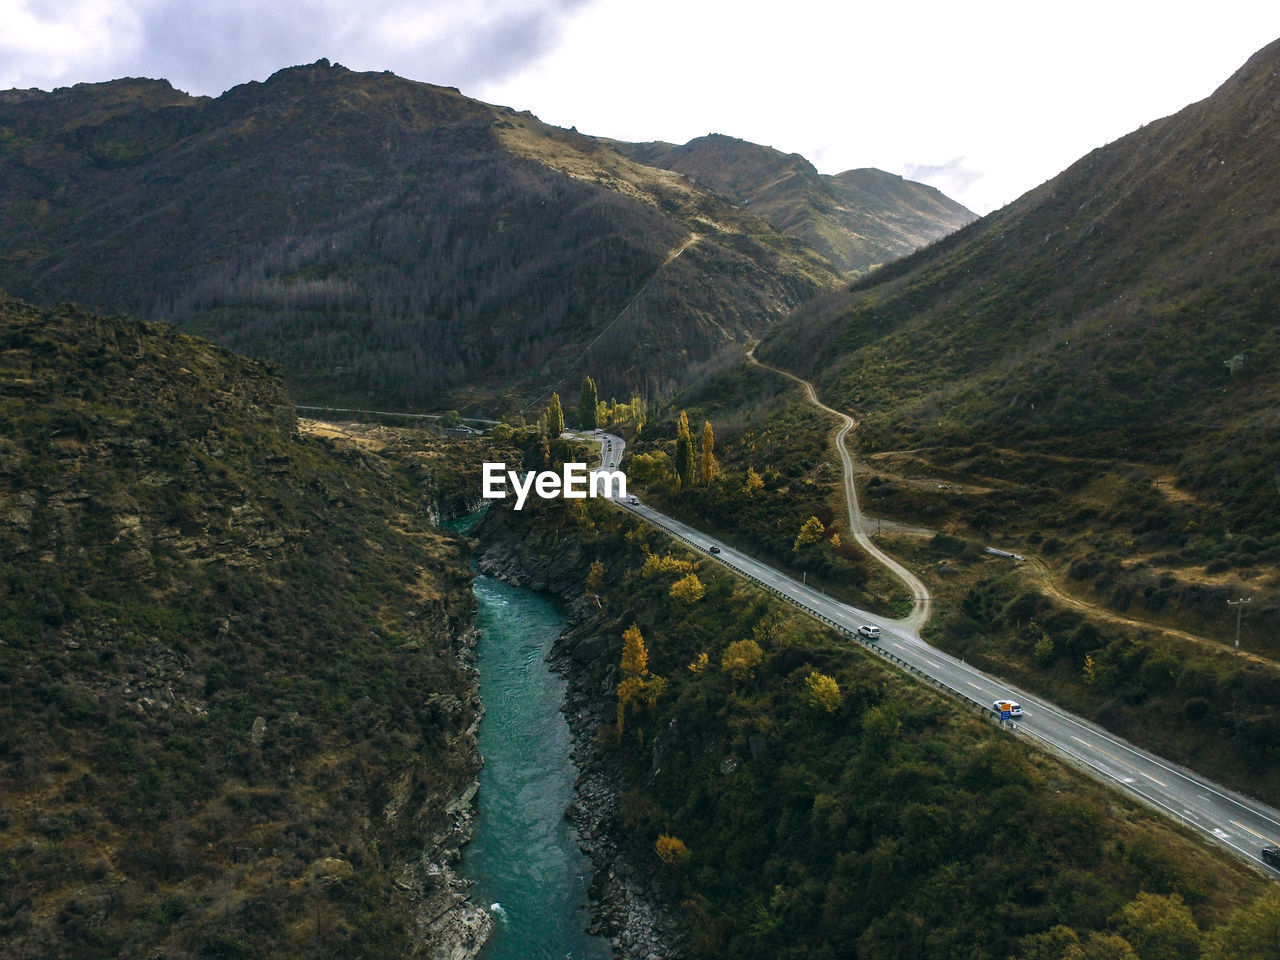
(1122, 763)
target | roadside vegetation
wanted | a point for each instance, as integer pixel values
(775, 490)
(1190, 700)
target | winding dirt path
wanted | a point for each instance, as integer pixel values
(1036, 569)
(1045, 581)
(923, 604)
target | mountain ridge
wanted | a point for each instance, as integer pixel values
(1121, 244)
(385, 238)
(858, 219)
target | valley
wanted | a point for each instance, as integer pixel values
(889, 466)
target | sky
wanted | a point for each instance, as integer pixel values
(982, 99)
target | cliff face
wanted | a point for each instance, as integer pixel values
(236, 708)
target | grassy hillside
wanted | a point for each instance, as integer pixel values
(858, 219)
(858, 814)
(1085, 378)
(232, 708)
(1123, 311)
(390, 243)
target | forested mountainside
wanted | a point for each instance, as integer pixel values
(1086, 378)
(858, 219)
(233, 717)
(1125, 310)
(387, 241)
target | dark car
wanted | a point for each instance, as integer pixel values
(1271, 856)
(713, 550)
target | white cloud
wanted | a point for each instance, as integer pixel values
(208, 47)
(45, 44)
(1019, 91)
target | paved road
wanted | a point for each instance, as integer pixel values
(1241, 824)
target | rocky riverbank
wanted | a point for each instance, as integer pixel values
(449, 926)
(627, 905)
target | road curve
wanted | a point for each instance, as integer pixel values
(1232, 820)
(923, 604)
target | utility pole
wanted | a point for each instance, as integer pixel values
(1239, 605)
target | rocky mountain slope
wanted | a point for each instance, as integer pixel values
(389, 242)
(1086, 379)
(1125, 310)
(235, 708)
(858, 219)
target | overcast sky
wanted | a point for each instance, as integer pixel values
(982, 99)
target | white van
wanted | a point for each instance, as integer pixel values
(1013, 708)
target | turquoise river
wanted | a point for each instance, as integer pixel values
(524, 855)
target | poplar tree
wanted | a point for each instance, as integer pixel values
(588, 405)
(635, 670)
(706, 455)
(553, 421)
(684, 452)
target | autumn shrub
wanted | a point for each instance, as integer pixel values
(671, 850)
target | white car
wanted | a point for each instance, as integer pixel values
(1007, 706)
(869, 631)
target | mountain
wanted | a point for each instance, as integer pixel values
(234, 713)
(1123, 313)
(1085, 380)
(387, 241)
(858, 219)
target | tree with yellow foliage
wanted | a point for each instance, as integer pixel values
(671, 850)
(688, 589)
(823, 692)
(740, 658)
(753, 484)
(635, 658)
(636, 681)
(684, 452)
(706, 456)
(810, 532)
